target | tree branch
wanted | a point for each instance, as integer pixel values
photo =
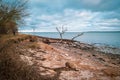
(77, 36)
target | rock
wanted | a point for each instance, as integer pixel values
(75, 75)
(27, 59)
(112, 72)
(48, 72)
(117, 78)
(101, 59)
(71, 65)
(33, 39)
(53, 64)
(46, 41)
(69, 75)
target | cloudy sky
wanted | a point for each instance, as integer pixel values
(76, 15)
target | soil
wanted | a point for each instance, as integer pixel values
(67, 60)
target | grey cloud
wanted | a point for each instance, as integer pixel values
(59, 5)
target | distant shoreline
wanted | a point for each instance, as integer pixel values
(68, 31)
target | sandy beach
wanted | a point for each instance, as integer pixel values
(66, 60)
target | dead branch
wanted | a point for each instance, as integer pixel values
(61, 31)
(77, 36)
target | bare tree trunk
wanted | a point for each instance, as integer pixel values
(61, 31)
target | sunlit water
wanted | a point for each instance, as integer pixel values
(98, 38)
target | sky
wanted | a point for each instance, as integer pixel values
(75, 15)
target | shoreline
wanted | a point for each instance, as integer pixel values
(89, 38)
(107, 49)
(51, 59)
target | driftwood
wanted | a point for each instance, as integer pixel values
(77, 36)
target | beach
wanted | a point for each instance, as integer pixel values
(66, 60)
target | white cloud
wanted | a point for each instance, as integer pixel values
(46, 17)
(74, 20)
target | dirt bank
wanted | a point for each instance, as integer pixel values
(66, 60)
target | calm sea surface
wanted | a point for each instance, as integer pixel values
(98, 38)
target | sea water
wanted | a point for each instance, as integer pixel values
(111, 38)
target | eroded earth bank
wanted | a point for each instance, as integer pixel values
(53, 59)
